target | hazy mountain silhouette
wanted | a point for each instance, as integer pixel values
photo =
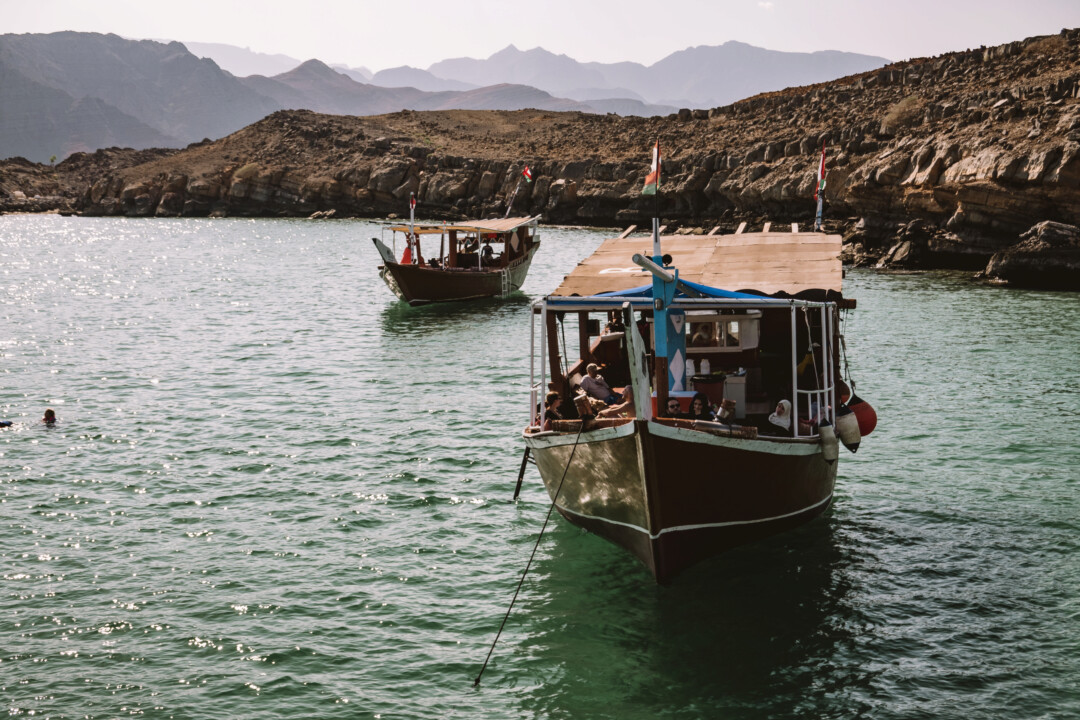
(242, 62)
(406, 76)
(69, 91)
(704, 76)
(316, 86)
(38, 121)
(163, 86)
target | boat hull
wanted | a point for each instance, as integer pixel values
(676, 496)
(420, 284)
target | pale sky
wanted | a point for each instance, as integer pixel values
(379, 35)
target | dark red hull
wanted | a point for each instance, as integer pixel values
(674, 497)
(420, 284)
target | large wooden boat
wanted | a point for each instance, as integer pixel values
(670, 489)
(481, 259)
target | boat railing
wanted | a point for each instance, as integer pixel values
(814, 406)
(816, 403)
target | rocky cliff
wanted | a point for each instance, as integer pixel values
(931, 162)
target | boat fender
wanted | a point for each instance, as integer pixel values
(847, 425)
(865, 413)
(830, 448)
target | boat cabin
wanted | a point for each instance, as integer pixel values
(766, 357)
(482, 245)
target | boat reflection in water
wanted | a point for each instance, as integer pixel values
(669, 487)
(759, 632)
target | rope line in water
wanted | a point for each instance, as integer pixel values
(513, 600)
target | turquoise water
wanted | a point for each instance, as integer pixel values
(275, 492)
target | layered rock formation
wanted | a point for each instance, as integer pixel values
(932, 162)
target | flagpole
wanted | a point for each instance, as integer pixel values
(820, 192)
(510, 205)
(412, 230)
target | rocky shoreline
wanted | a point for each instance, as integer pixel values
(957, 161)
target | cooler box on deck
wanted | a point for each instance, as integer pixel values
(735, 389)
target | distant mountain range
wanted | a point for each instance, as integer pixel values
(66, 92)
(698, 77)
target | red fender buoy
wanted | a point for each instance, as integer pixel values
(865, 414)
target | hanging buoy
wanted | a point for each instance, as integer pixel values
(865, 414)
(848, 427)
(830, 448)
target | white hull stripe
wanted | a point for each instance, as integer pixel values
(702, 526)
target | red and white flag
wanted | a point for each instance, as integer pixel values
(652, 180)
(412, 201)
(527, 174)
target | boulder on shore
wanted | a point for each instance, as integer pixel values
(1047, 257)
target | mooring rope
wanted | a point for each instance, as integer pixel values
(532, 555)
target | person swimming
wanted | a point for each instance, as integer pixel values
(50, 417)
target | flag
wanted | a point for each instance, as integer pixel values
(652, 180)
(819, 190)
(412, 201)
(527, 174)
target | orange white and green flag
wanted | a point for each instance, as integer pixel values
(652, 180)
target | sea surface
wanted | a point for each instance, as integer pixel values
(276, 492)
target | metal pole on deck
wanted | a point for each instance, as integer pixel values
(412, 229)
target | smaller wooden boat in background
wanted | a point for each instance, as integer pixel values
(464, 261)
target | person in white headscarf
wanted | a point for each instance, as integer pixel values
(782, 416)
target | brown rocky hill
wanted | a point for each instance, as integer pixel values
(931, 162)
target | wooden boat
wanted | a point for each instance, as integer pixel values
(481, 259)
(670, 489)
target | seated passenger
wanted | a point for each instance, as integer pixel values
(624, 409)
(674, 409)
(487, 256)
(703, 335)
(552, 401)
(596, 386)
(782, 417)
(699, 408)
(433, 262)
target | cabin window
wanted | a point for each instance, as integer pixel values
(711, 332)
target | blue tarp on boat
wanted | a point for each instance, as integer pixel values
(645, 291)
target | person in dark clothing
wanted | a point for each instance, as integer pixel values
(551, 409)
(699, 408)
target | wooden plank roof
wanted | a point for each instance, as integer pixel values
(495, 225)
(769, 262)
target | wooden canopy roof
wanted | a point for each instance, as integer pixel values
(495, 225)
(769, 262)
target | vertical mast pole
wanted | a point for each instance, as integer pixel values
(412, 228)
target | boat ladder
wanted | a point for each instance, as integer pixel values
(504, 277)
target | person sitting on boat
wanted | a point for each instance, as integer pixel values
(552, 401)
(699, 408)
(487, 255)
(596, 386)
(782, 417)
(433, 262)
(703, 335)
(674, 409)
(624, 409)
